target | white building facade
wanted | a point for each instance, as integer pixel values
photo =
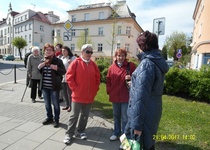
(108, 27)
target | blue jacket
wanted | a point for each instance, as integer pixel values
(145, 102)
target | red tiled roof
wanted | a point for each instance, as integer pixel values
(41, 17)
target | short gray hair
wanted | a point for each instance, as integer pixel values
(87, 46)
(35, 48)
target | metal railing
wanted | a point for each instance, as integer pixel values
(15, 72)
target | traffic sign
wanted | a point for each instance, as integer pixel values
(178, 55)
(68, 25)
(67, 36)
(179, 50)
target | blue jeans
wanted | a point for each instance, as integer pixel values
(51, 96)
(120, 117)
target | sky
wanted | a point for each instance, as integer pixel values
(178, 14)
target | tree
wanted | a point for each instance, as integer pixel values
(164, 52)
(83, 39)
(20, 43)
(177, 40)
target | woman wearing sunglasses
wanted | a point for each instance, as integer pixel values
(83, 78)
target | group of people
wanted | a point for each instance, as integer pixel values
(135, 92)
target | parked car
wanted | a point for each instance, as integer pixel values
(8, 57)
(170, 63)
(1, 56)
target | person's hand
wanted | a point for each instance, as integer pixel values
(128, 77)
(137, 132)
(41, 65)
(54, 67)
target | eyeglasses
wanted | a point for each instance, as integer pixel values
(88, 52)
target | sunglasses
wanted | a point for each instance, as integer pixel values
(88, 52)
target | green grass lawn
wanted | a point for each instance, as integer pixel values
(185, 124)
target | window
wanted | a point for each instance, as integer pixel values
(30, 26)
(119, 29)
(127, 47)
(25, 27)
(21, 29)
(58, 33)
(25, 17)
(41, 28)
(118, 45)
(26, 37)
(100, 47)
(200, 29)
(73, 18)
(41, 39)
(73, 32)
(86, 16)
(101, 15)
(128, 30)
(29, 38)
(100, 31)
(72, 46)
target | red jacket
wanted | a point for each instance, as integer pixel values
(116, 85)
(84, 80)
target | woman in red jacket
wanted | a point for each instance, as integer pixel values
(119, 73)
(83, 78)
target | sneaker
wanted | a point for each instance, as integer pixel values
(113, 138)
(33, 101)
(83, 136)
(56, 124)
(47, 121)
(67, 139)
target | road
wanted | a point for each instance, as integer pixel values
(7, 71)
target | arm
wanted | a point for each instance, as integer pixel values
(29, 67)
(108, 81)
(70, 75)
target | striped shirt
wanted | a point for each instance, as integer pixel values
(47, 78)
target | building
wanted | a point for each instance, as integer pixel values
(201, 35)
(35, 27)
(104, 25)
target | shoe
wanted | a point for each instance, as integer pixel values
(65, 108)
(33, 101)
(69, 109)
(40, 97)
(56, 124)
(47, 121)
(113, 138)
(67, 140)
(82, 136)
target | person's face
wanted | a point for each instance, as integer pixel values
(35, 52)
(64, 52)
(120, 57)
(87, 53)
(57, 48)
(49, 51)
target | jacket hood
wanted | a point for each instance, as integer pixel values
(155, 57)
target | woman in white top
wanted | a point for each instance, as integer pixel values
(67, 58)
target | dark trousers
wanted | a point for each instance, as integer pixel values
(34, 88)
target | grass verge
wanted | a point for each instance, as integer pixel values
(185, 125)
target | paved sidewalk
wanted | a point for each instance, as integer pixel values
(21, 125)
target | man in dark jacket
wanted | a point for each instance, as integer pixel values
(145, 102)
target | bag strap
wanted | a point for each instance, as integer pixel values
(128, 68)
